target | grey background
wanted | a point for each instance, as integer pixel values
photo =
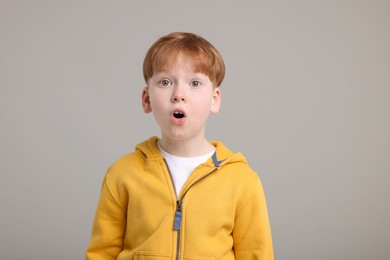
(306, 99)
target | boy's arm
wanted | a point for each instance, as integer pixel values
(109, 226)
(252, 233)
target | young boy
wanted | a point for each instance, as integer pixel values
(180, 196)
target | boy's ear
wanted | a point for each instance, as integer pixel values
(146, 101)
(216, 101)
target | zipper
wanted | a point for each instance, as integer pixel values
(177, 224)
(179, 202)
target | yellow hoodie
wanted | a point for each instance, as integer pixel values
(220, 213)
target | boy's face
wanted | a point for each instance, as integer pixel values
(181, 100)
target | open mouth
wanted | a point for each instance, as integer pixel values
(178, 114)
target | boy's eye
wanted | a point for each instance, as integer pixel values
(195, 83)
(165, 82)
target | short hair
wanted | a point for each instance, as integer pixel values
(204, 56)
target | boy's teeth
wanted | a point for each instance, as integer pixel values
(178, 114)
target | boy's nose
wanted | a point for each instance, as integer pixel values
(177, 98)
(178, 95)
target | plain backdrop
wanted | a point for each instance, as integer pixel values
(305, 99)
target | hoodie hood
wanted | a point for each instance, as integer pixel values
(222, 155)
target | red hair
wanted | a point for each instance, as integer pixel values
(204, 57)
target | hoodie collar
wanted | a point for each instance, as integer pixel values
(149, 148)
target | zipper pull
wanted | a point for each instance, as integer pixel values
(178, 215)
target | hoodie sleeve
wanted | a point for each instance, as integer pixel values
(252, 233)
(109, 225)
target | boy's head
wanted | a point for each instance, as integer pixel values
(203, 55)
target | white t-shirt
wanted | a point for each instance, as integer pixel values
(181, 167)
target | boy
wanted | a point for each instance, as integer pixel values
(181, 196)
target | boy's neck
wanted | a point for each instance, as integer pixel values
(186, 148)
